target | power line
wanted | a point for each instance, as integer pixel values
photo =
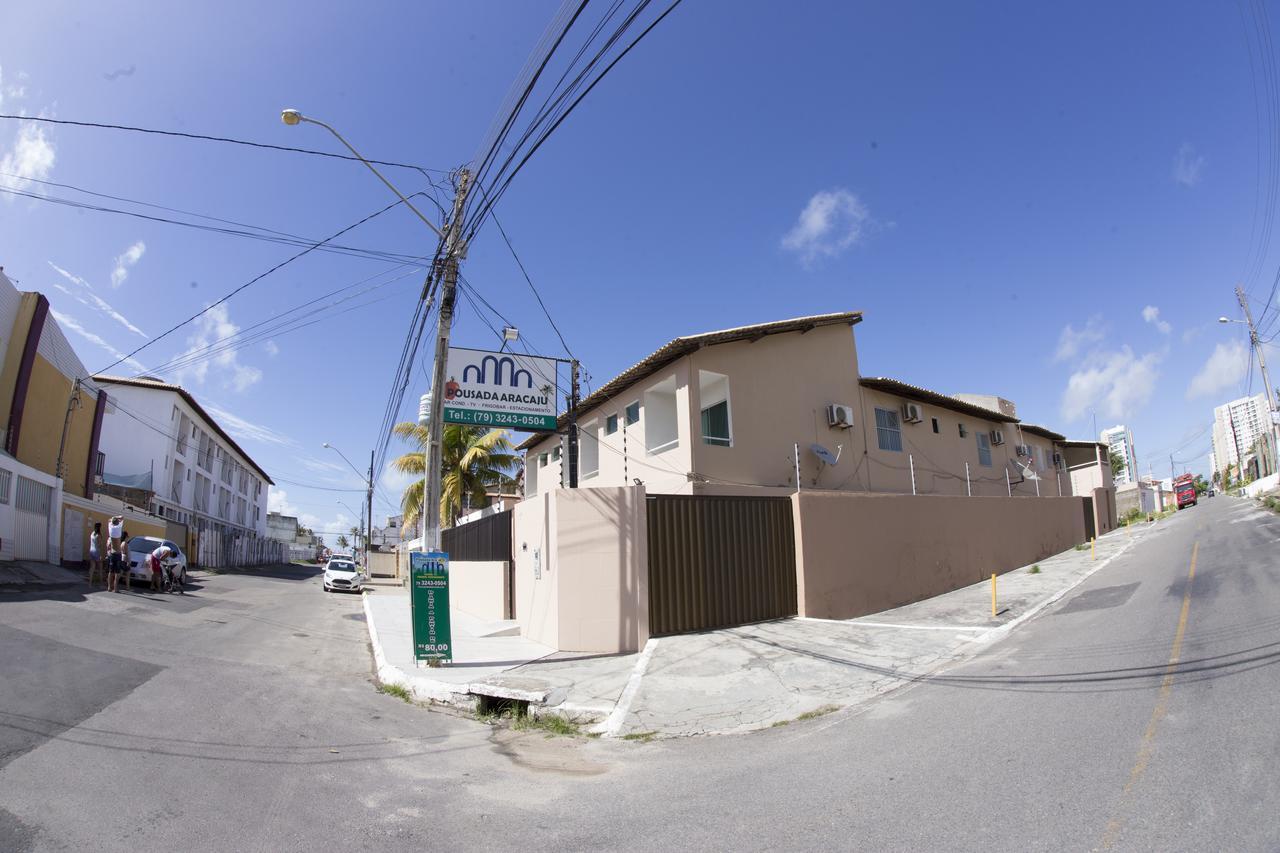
(255, 232)
(248, 283)
(493, 215)
(223, 139)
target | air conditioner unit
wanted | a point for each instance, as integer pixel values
(1023, 450)
(997, 437)
(840, 417)
(911, 413)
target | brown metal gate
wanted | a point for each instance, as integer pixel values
(715, 562)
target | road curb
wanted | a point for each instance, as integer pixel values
(430, 689)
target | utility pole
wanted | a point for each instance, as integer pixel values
(1171, 474)
(454, 250)
(368, 539)
(1262, 361)
(573, 424)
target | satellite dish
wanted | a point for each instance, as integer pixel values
(825, 455)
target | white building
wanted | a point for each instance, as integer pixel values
(155, 436)
(1237, 426)
(1119, 440)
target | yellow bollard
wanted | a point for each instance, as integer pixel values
(993, 596)
(1093, 548)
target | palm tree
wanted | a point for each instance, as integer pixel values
(342, 542)
(475, 460)
(355, 534)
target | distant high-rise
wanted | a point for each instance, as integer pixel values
(1120, 440)
(1237, 426)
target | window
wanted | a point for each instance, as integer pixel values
(888, 430)
(542, 460)
(715, 424)
(633, 413)
(717, 421)
(589, 450)
(984, 449)
(661, 420)
(611, 425)
(555, 454)
(6, 477)
(935, 426)
(99, 464)
(964, 433)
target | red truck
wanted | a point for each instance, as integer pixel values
(1184, 489)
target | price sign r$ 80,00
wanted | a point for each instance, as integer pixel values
(429, 601)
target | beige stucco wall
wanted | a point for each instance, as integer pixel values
(779, 388)
(940, 457)
(479, 589)
(592, 591)
(860, 554)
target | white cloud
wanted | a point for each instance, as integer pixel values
(272, 349)
(1115, 384)
(1225, 367)
(1151, 314)
(93, 300)
(1187, 166)
(31, 157)
(68, 322)
(1072, 341)
(211, 345)
(125, 260)
(243, 430)
(278, 501)
(830, 223)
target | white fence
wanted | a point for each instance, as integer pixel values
(216, 550)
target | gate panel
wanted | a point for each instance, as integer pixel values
(716, 562)
(31, 503)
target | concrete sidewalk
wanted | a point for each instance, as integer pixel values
(481, 652)
(740, 679)
(25, 574)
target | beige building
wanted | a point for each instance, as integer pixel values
(746, 410)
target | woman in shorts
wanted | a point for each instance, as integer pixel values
(95, 555)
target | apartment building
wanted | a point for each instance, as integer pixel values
(775, 406)
(1119, 441)
(1237, 427)
(203, 482)
(51, 414)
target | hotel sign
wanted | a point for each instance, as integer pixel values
(500, 389)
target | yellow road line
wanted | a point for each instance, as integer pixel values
(1162, 707)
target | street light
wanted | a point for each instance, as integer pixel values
(368, 496)
(293, 117)
(452, 249)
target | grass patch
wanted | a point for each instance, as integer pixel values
(552, 724)
(1082, 547)
(397, 690)
(780, 723)
(818, 712)
(1034, 570)
(642, 737)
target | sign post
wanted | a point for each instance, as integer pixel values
(500, 389)
(429, 605)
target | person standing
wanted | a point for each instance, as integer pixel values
(123, 551)
(95, 555)
(113, 568)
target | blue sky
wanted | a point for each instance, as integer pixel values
(1051, 204)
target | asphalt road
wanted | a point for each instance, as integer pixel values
(1138, 713)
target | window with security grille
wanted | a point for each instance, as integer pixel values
(888, 430)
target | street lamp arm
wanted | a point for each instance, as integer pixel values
(390, 185)
(359, 473)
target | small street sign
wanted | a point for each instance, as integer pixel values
(500, 389)
(429, 605)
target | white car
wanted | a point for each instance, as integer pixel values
(343, 575)
(140, 548)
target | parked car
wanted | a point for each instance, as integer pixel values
(140, 548)
(343, 574)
